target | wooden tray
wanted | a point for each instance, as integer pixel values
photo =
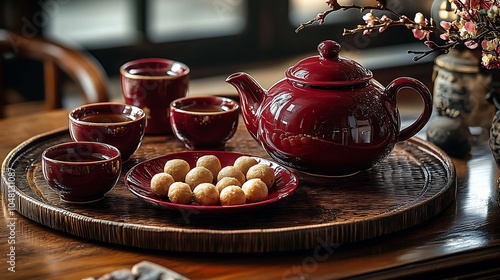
(413, 184)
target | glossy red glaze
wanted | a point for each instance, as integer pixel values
(328, 116)
(152, 84)
(204, 130)
(125, 135)
(81, 172)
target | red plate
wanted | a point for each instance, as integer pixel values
(138, 180)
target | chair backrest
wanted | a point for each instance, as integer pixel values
(78, 65)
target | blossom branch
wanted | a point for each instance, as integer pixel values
(336, 7)
(384, 24)
(318, 18)
(477, 24)
(433, 48)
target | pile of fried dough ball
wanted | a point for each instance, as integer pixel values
(210, 184)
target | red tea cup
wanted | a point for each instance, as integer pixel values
(204, 122)
(81, 172)
(117, 124)
(152, 84)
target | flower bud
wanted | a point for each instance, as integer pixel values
(419, 18)
(430, 44)
(331, 3)
(369, 19)
(320, 16)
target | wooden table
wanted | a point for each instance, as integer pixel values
(463, 240)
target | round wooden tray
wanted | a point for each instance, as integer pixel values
(413, 184)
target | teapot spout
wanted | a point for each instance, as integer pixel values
(251, 97)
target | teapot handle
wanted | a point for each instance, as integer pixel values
(405, 82)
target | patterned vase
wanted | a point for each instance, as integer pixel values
(460, 91)
(494, 97)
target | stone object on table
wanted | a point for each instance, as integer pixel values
(452, 135)
(144, 270)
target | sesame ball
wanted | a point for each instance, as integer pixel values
(211, 163)
(178, 168)
(243, 163)
(231, 171)
(227, 181)
(197, 176)
(160, 183)
(180, 192)
(255, 190)
(206, 194)
(263, 172)
(232, 195)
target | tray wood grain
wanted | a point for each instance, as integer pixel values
(415, 183)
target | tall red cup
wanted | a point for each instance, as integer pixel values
(152, 84)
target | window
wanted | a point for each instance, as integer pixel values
(111, 23)
(208, 34)
(304, 10)
(176, 20)
(94, 23)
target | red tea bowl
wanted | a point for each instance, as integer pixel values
(204, 122)
(117, 124)
(81, 172)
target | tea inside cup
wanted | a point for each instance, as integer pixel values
(117, 124)
(81, 172)
(204, 122)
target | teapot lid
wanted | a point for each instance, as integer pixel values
(328, 68)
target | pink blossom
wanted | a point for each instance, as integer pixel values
(445, 25)
(489, 45)
(384, 18)
(473, 4)
(331, 3)
(470, 27)
(471, 44)
(321, 18)
(485, 4)
(445, 36)
(420, 34)
(484, 44)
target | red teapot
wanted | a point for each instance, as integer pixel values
(328, 116)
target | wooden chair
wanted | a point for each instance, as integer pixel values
(79, 66)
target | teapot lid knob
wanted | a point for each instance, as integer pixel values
(328, 68)
(329, 50)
